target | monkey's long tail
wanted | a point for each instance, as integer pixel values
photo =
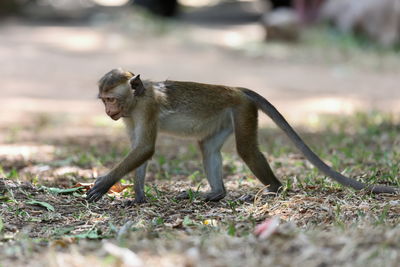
(277, 117)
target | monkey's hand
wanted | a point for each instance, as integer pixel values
(101, 187)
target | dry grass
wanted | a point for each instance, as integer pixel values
(321, 223)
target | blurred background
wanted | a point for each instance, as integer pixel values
(308, 57)
(332, 67)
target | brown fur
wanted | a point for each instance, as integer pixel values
(204, 112)
(114, 78)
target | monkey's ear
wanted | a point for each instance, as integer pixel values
(137, 85)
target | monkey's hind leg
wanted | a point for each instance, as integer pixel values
(212, 161)
(140, 175)
(246, 126)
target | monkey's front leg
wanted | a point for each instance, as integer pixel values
(135, 158)
(101, 187)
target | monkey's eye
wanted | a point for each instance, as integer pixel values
(111, 100)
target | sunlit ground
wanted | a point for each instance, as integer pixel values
(54, 69)
(318, 221)
(54, 133)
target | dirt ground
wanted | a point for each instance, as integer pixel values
(54, 68)
(53, 134)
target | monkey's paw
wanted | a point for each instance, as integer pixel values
(214, 196)
(100, 188)
(136, 201)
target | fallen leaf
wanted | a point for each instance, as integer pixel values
(118, 188)
(127, 256)
(56, 190)
(85, 186)
(63, 242)
(267, 228)
(210, 222)
(48, 206)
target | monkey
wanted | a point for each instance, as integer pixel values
(207, 113)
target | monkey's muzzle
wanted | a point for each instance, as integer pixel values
(116, 116)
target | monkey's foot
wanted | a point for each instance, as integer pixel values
(272, 193)
(274, 188)
(214, 196)
(136, 201)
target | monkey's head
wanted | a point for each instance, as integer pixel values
(118, 90)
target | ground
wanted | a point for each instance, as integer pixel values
(54, 135)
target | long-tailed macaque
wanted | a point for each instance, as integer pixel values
(207, 113)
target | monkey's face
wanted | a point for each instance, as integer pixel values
(113, 109)
(118, 90)
(117, 101)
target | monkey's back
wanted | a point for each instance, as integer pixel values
(193, 97)
(183, 113)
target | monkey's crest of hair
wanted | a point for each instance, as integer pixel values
(114, 78)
